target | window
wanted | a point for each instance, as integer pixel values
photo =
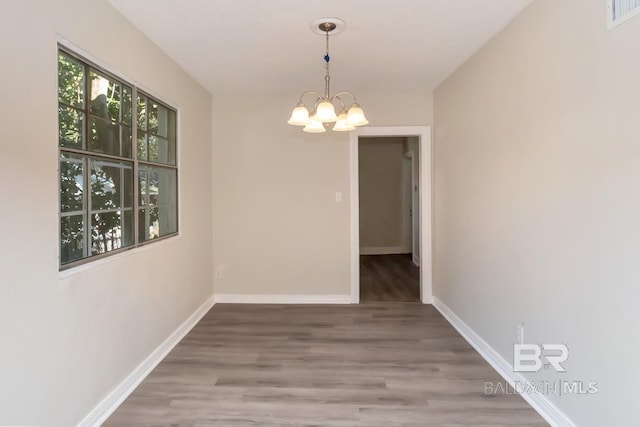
(622, 10)
(114, 193)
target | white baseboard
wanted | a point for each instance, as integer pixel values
(382, 250)
(282, 299)
(539, 402)
(108, 406)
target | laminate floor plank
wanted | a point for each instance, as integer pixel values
(390, 278)
(368, 365)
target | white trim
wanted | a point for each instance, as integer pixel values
(383, 250)
(110, 403)
(424, 134)
(408, 208)
(611, 23)
(281, 299)
(355, 217)
(80, 268)
(539, 402)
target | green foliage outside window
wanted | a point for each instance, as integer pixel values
(98, 166)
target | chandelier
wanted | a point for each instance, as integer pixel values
(324, 111)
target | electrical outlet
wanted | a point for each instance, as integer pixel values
(520, 333)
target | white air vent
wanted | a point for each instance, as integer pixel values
(621, 10)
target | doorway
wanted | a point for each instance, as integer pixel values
(386, 213)
(416, 229)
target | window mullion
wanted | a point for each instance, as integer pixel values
(86, 206)
(87, 102)
(121, 204)
(136, 172)
(87, 164)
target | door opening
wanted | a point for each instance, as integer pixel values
(405, 229)
(386, 186)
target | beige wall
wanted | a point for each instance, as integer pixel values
(68, 339)
(277, 227)
(381, 192)
(537, 199)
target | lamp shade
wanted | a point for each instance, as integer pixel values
(342, 124)
(325, 112)
(356, 117)
(299, 116)
(314, 126)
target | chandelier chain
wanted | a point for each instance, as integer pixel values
(327, 77)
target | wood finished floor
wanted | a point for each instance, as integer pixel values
(389, 278)
(374, 364)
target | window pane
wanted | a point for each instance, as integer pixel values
(148, 225)
(71, 238)
(142, 113)
(171, 145)
(158, 188)
(125, 137)
(109, 231)
(71, 183)
(156, 222)
(162, 133)
(111, 185)
(143, 234)
(142, 145)
(104, 136)
(155, 110)
(160, 150)
(167, 220)
(110, 105)
(127, 187)
(126, 105)
(160, 185)
(156, 144)
(70, 127)
(105, 97)
(70, 81)
(127, 228)
(142, 187)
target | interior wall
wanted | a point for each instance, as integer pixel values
(278, 229)
(380, 168)
(537, 198)
(69, 338)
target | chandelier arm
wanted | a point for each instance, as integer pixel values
(337, 96)
(346, 92)
(308, 92)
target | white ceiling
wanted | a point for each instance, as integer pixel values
(266, 46)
